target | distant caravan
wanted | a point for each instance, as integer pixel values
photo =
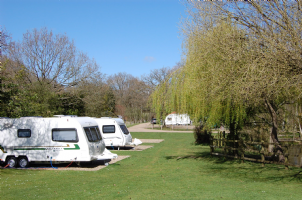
(115, 132)
(177, 119)
(59, 139)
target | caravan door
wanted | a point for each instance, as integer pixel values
(127, 135)
(95, 143)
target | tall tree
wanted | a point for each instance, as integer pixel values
(120, 84)
(275, 28)
(39, 74)
(5, 41)
(206, 86)
(97, 96)
(52, 59)
(242, 59)
(131, 94)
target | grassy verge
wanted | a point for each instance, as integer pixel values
(130, 125)
(173, 169)
(170, 129)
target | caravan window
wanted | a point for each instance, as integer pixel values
(24, 133)
(109, 129)
(93, 133)
(124, 129)
(64, 135)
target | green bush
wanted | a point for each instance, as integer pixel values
(201, 135)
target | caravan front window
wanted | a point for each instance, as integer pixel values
(64, 135)
(108, 129)
(93, 134)
(124, 129)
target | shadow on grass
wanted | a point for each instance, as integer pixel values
(47, 165)
(120, 148)
(233, 168)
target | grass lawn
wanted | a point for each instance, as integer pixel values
(173, 169)
(130, 125)
(170, 129)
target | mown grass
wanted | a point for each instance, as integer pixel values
(130, 125)
(173, 169)
(170, 129)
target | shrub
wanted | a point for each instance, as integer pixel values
(201, 135)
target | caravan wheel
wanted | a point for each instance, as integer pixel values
(11, 161)
(23, 162)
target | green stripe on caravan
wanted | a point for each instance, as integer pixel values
(76, 147)
(30, 149)
(2, 149)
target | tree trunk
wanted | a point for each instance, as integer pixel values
(274, 133)
(233, 136)
(297, 114)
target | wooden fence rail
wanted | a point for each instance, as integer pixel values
(258, 151)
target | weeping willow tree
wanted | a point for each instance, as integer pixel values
(243, 64)
(206, 87)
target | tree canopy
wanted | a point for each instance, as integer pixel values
(45, 74)
(242, 64)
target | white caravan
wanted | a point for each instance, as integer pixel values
(56, 140)
(114, 132)
(178, 119)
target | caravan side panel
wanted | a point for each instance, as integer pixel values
(177, 119)
(20, 137)
(45, 139)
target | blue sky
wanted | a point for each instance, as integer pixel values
(132, 36)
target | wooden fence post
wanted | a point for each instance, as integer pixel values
(262, 154)
(219, 139)
(286, 158)
(211, 146)
(234, 146)
(241, 147)
(262, 159)
(259, 148)
(224, 147)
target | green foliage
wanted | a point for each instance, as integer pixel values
(30, 100)
(99, 100)
(109, 101)
(241, 67)
(202, 135)
(45, 75)
(206, 87)
(16, 99)
(6, 94)
(66, 104)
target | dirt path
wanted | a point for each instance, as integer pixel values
(147, 127)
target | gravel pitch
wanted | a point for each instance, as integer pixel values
(93, 166)
(151, 140)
